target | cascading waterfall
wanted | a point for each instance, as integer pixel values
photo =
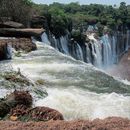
(64, 44)
(113, 47)
(79, 53)
(107, 52)
(101, 52)
(76, 89)
(88, 54)
(45, 39)
(96, 52)
(128, 40)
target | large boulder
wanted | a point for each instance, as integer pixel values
(23, 113)
(14, 99)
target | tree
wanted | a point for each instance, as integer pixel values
(16, 10)
(123, 12)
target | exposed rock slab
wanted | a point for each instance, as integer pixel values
(27, 32)
(11, 24)
(111, 123)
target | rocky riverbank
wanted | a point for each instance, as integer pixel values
(111, 123)
(21, 115)
(24, 44)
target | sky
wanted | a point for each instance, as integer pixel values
(108, 2)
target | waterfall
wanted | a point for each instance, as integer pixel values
(96, 50)
(76, 89)
(113, 47)
(8, 51)
(107, 51)
(45, 39)
(128, 40)
(88, 54)
(101, 52)
(79, 53)
(64, 44)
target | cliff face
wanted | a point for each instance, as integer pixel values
(24, 44)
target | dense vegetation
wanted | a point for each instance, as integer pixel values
(89, 13)
(65, 17)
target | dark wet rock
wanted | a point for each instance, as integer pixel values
(23, 113)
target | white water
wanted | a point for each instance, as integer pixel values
(79, 53)
(45, 39)
(75, 88)
(107, 51)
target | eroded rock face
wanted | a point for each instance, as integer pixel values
(24, 44)
(111, 123)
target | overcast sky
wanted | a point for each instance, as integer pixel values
(109, 2)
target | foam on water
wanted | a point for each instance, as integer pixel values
(76, 89)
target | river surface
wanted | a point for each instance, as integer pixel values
(78, 90)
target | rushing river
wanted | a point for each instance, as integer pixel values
(78, 90)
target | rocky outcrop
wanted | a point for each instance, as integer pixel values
(10, 24)
(15, 98)
(23, 113)
(24, 44)
(26, 33)
(38, 21)
(111, 123)
(18, 106)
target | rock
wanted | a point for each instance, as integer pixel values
(14, 99)
(11, 24)
(24, 44)
(38, 21)
(26, 33)
(45, 114)
(111, 123)
(35, 114)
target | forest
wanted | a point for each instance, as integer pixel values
(65, 17)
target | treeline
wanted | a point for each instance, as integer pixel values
(108, 15)
(61, 16)
(65, 17)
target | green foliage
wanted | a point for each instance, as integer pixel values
(62, 17)
(78, 36)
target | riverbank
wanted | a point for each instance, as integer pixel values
(111, 123)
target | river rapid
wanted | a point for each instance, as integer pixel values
(77, 89)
